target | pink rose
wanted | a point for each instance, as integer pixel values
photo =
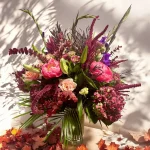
(51, 69)
(101, 72)
(29, 76)
(67, 84)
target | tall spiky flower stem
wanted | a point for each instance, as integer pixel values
(35, 21)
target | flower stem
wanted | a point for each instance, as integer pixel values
(35, 21)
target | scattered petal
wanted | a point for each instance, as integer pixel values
(82, 147)
(101, 144)
(112, 146)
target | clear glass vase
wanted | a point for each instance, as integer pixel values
(74, 133)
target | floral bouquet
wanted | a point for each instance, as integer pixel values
(75, 74)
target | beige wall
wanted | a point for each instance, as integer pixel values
(18, 30)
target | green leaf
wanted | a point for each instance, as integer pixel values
(90, 114)
(22, 114)
(80, 107)
(118, 26)
(84, 55)
(25, 10)
(79, 79)
(50, 132)
(90, 81)
(30, 121)
(71, 126)
(77, 68)
(43, 49)
(35, 48)
(64, 66)
(30, 68)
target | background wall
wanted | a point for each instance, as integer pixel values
(18, 30)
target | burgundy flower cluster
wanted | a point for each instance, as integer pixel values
(108, 104)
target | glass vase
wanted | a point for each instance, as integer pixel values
(74, 133)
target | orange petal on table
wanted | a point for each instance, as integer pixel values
(4, 139)
(147, 136)
(82, 147)
(26, 147)
(101, 144)
(112, 146)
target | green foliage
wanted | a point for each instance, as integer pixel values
(84, 55)
(64, 66)
(22, 114)
(31, 68)
(80, 107)
(35, 21)
(90, 113)
(71, 126)
(89, 81)
(35, 48)
(31, 120)
(112, 35)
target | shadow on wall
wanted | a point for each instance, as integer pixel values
(23, 33)
(65, 12)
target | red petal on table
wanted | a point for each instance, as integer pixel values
(82, 147)
(112, 146)
(101, 144)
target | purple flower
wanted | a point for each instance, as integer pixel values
(103, 40)
(105, 59)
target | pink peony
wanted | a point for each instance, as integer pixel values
(101, 72)
(29, 76)
(51, 69)
(67, 84)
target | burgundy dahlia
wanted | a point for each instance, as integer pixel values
(108, 104)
